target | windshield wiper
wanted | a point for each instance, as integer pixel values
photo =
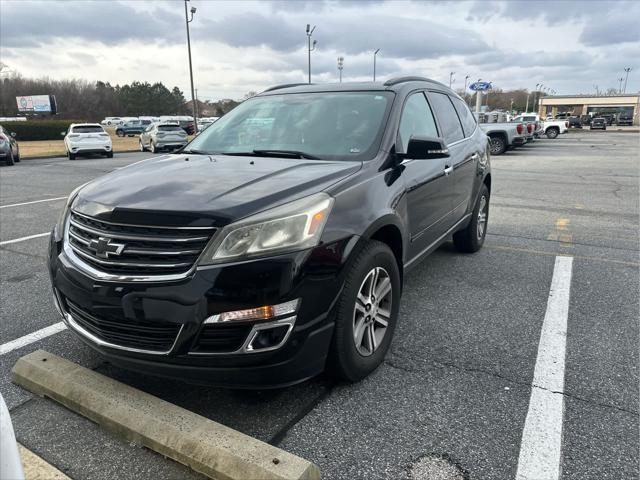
(286, 153)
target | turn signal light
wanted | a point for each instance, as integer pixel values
(266, 312)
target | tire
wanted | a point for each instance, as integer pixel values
(471, 239)
(142, 147)
(350, 359)
(552, 132)
(497, 145)
(10, 159)
(120, 133)
(71, 156)
(16, 157)
(152, 147)
(110, 154)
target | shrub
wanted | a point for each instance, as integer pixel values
(39, 129)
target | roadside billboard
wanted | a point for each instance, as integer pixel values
(37, 103)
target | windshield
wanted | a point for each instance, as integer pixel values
(88, 129)
(335, 126)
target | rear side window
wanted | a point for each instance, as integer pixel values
(447, 117)
(417, 119)
(170, 128)
(88, 129)
(467, 119)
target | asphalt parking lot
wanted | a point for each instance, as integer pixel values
(454, 392)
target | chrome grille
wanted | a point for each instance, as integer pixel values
(121, 249)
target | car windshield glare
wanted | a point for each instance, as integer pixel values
(88, 129)
(325, 125)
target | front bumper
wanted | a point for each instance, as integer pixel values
(314, 276)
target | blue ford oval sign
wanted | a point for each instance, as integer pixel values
(481, 86)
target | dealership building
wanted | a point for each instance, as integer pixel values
(591, 105)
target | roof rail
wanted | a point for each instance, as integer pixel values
(286, 85)
(395, 81)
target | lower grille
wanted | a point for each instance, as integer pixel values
(121, 249)
(221, 338)
(143, 335)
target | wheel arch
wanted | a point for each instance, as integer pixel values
(388, 230)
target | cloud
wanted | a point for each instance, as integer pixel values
(29, 24)
(399, 37)
(620, 29)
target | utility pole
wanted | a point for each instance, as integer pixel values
(620, 80)
(374, 64)
(310, 47)
(451, 74)
(340, 66)
(193, 95)
(626, 77)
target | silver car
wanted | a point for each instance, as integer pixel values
(162, 136)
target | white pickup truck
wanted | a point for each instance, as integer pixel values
(550, 128)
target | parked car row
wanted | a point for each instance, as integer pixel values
(525, 128)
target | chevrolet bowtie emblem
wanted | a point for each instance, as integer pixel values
(104, 247)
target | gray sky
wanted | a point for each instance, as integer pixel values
(240, 46)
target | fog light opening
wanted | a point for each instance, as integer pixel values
(268, 338)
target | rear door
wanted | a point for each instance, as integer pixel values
(427, 185)
(462, 153)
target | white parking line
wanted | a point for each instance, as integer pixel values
(22, 239)
(35, 201)
(32, 337)
(540, 449)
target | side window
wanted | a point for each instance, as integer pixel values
(467, 119)
(417, 119)
(447, 117)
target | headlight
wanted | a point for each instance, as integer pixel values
(293, 226)
(58, 230)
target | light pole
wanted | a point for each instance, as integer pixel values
(340, 66)
(620, 80)
(375, 54)
(465, 87)
(193, 95)
(451, 74)
(310, 47)
(511, 107)
(627, 70)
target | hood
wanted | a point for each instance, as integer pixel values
(205, 189)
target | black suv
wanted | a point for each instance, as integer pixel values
(276, 243)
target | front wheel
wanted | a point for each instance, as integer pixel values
(153, 148)
(497, 145)
(142, 148)
(71, 156)
(120, 133)
(552, 133)
(10, 159)
(471, 239)
(366, 313)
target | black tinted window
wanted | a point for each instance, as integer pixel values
(447, 117)
(467, 119)
(170, 128)
(88, 129)
(417, 119)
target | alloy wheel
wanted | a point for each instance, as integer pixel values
(482, 216)
(372, 311)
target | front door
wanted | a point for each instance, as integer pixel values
(427, 182)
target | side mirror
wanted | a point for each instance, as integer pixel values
(426, 148)
(63, 133)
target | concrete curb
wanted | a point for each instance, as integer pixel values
(58, 156)
(36, 468)
(202, 444)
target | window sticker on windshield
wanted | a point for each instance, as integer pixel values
(354, 150)
(378, 97)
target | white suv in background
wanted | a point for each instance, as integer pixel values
(84, 138)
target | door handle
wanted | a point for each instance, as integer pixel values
(448, 169)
